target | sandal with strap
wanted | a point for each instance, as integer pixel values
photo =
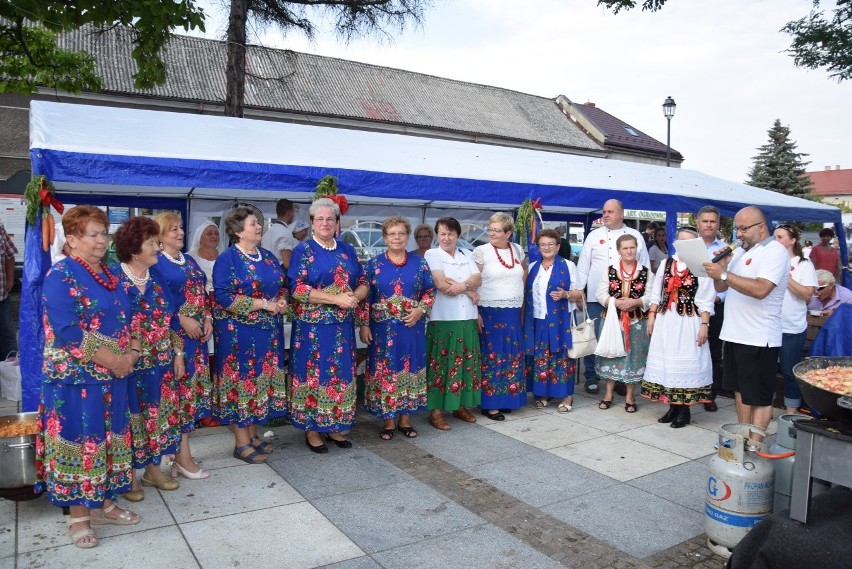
(263, 447)
(125, 518)
(78, 538)
(630, 407)
(386, 434)
(604, 404)
(252, 458)
(407, 432)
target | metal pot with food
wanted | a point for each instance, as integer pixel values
(826, 385)
(17, 450)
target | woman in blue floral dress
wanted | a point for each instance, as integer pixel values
(324, 275)
(186, 282)
(83, 450)
(550, 292)
(401, 294)
(249, 297)
(153, 395)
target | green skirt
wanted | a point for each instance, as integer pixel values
(453, 375)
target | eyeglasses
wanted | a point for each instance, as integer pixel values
(546, 245)
(396, 234)
(490, 230)
(324, 219)
(423, 237)
(823, 287)
(744, 228)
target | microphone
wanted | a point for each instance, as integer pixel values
(727, 251)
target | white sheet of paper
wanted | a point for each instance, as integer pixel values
(694, 253)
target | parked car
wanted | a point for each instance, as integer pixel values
(366, 238)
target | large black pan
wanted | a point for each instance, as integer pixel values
(833, 405)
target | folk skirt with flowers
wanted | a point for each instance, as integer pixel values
(501, 345)
(83, 448)
(453, 373)
(395, 375)
(549, 374)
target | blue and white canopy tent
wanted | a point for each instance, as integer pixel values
(142, 158)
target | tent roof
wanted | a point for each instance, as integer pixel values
(81, 148)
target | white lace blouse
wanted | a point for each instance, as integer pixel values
(501, 287)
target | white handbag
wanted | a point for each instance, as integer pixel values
(583, 340)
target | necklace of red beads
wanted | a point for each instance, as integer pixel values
(394, 263)
(511, 257)
(624, 274)
(112, 283)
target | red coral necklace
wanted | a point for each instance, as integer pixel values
(394, 263)
(624, 274)
(113, 280)
(511, 257)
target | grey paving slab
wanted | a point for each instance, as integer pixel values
(7, 528)
(41, 525)
(467, 445)
(319, 475)
(357, 563)
(8, 562)
(690, 442)
(684, 484)
(396, 514)
(546, 431)
(161, 547)
(541, 479)
(229, 491)
(294, 536)
(494, 548)
(630, 519)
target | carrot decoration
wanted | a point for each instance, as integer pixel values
(39, 194)
(45, 232)
(51, 226)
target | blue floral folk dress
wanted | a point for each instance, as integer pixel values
(186, 283)
(249, 383)
(323, 348)
(153, 392)
(83, 449)
(395, 379)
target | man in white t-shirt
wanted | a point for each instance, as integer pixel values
(599, 252)
(279, 237)
(755, 278)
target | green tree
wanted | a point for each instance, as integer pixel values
(351, 18)
(30, 56)
(817, 41)
(778, 167)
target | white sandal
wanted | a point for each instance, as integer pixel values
(541, 404)
(563, 408)
(126, 518)
(78, 536)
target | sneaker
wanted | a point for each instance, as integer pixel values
(592, 388)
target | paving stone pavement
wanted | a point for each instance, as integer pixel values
(529, 492)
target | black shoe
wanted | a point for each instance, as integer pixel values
(682, 418)
(507, 411)
(495, 416)
(670, 414)
(340, 443)
(711, 407)
(322, 449)
(592, 388)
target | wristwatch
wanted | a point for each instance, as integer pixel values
(724, 276)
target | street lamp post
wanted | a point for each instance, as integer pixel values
(669, 107)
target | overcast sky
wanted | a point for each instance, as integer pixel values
(721, 60)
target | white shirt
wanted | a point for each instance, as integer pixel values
(539, 288)
(459, 268)
(501, 287)
(705, 296)
(599, 253)
(794, 313)
(750, 321)
(279, 236)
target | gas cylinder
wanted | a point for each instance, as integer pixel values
(740, 487)
(785, 442)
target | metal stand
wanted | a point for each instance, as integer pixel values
(820, 455)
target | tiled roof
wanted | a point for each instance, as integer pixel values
(289, 81)
(832, 182)
(616, 131)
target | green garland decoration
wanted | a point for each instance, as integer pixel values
(326, 187)
(523, 221)
(31, 194)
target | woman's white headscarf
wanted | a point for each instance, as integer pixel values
(196, 237)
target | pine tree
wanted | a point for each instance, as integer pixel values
(778, 167)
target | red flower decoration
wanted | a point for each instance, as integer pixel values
(602, 241)
(341, 202)
(748, 262)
